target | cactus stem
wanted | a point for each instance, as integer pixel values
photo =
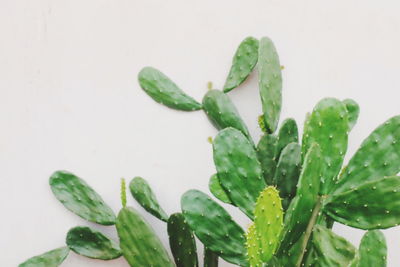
(123, 192)
(309, 230)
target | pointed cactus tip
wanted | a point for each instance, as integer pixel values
(261, 123)
(123, 192)
(210, 139)
(209, 85)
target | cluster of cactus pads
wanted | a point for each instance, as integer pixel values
(292, 192)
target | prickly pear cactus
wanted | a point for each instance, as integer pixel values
(53, 258)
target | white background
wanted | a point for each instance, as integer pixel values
(69, 97)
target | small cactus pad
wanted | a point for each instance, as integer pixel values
(238, 169)
(181, 241)
(268, 221)
(288, 170)
(143, 194)
(266, 154)
(244, 61)
(373, 249)
(253, 246)
(328, 127)
(52, 258)
(331, 249)
(164, 91)
(214, 227)
(91, 243)
(77, 196)
(140, 245)
(378, 156)
(270, 83)
(373, 205)
(288, 133)
(222, 112)
(217, 190)
(300, 209)
(210, 258)
(353, 109)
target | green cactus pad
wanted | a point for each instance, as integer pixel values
(253, 246)
(288, 133)
(210, 258)
(164, 91)
(288, 170)
(328, 127)
(268, 222)
(373, 205)
(301, 208)
(222, 112)
(353, 109)
(143, 194)
(373, 249)
(214, 227)
(378, 156)
(266, 154)
(239, 171)
(217, 190)
(52, 258)
(140, 245)
(331, 249)
(181, 241)
(77, 196)
(91, 243)
(270, 83)
(243, 63)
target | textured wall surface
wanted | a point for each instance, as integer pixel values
(69, 97)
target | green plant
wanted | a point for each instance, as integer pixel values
(314, 189)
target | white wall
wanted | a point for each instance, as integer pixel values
(69, 97)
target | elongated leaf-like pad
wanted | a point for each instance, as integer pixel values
(378, 156)
(353, 109)
(266, 154)
(328, 127)
(332, 250)
(77, 196)
(52, 258)
(373, 205)
(253, 246)
(214, 227)
(243, 62)
(210, 258)
(164, 91)
(238, 169)
(268, 222)
(181, 241)
(143, 194)
(91, 243)
(222, 112)
(217, 190)
(288, 133)
(270, 83)
(300, 209)
(140, 245)
(288, 170)
(373, 249)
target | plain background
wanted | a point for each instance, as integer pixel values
(69, 97)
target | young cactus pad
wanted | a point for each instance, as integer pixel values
(222, 112)
(353, 109)
(143, 194)
(373, 249)
(268, 222)
(164, 91)
(181, 241)
(266, 154)
(244, 60)
(214, 227)
(91, 243)
(288, 133)
(53, 258)
(140, 245)
(77, 196)
(270, 83)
